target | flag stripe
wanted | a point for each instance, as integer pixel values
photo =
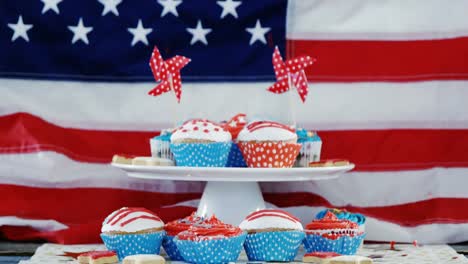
(330, 106)
(365, 19)
(358, 60)
(370, 150)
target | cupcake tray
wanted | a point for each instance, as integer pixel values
(232, 193)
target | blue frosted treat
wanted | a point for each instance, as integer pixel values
(210, 242)
(160, 145)
(331, 234)
(132, 231)
(201, 143)
(310, 149)
(343, 214)
(273, 235)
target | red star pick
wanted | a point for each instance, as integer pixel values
(167, 73)
(294, 69)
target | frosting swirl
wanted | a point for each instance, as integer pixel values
(343, 214)
(267, 131)
(330, 221)
(200, 129)
(306, 136)
(270, 219)
(175, 227)
(130, 220)
(212, 228)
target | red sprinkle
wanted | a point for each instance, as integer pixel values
(205, 124)
(206, 131)
(195, 128)
(392, 245)
(184, 130)
(216, 129)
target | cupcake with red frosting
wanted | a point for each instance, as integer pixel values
(273, 235)
(210, 242)
(173, 229)
(132, 231)
(200, 143)
(266, 144)
(331, 234)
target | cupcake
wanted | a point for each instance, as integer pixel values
(273, 235)
(343, 214)
(331, 234)
(266, 144)
(160, 145)
(131, 231)
(201, 143)
(311, 146)
(210, 242)
(234, 126)
(173, 229)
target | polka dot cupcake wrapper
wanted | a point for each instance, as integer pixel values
(133, 244)
(235, 158)
(344, 245)
(222, 250)
(269, 154)
(201, 154)
(171, 248)
(273, 246)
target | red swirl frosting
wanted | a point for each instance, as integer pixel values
(210, 229)
(330, 221)
(175, 227)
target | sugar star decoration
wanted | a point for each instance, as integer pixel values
(139, 33)
(258, 33)
(167, 72)
(199, 33)
(51, 5)
(110, 6)
(20, 29)
(229, 8)
(169, 6)
(294, 69)
(80, 32)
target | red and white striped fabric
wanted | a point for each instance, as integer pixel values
(388, 92)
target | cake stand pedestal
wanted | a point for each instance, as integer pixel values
(232, 193)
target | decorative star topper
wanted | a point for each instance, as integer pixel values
(290, 73)
(167, 72)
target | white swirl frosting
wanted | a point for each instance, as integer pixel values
(131, 220)
(198, 129)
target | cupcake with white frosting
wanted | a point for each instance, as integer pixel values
(273, 235)
(131, 231)
(201, 143)
(266, 144)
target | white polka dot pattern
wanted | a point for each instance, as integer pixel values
(167, 73)
(218, 250)
(273, 246)
(201, 154)
(171, 248)
(133, 244)
(344, 245)
(293, 68)
(269, 154)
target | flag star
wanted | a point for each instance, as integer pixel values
(233, 123)
(20, 29)
(199, 33)
(139, 33)
(80, 32)
(51, 5)
(110, 6)
(169, 6)
(229, 7)
(258, 33)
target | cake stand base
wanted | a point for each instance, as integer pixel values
(230, 201)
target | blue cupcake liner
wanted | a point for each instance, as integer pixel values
(201, 154)
(133, 244)
(344, 245)
(218, 250)
(171, 248)
(235, 158)
(273, 246)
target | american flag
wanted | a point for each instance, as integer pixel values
(388, 92)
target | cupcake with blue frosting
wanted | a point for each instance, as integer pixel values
(160, 145)
(132, 231)
(311, 146)
(273, 235)
(201, 143)
(343, 214)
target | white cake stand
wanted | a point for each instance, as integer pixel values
(232, 193)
